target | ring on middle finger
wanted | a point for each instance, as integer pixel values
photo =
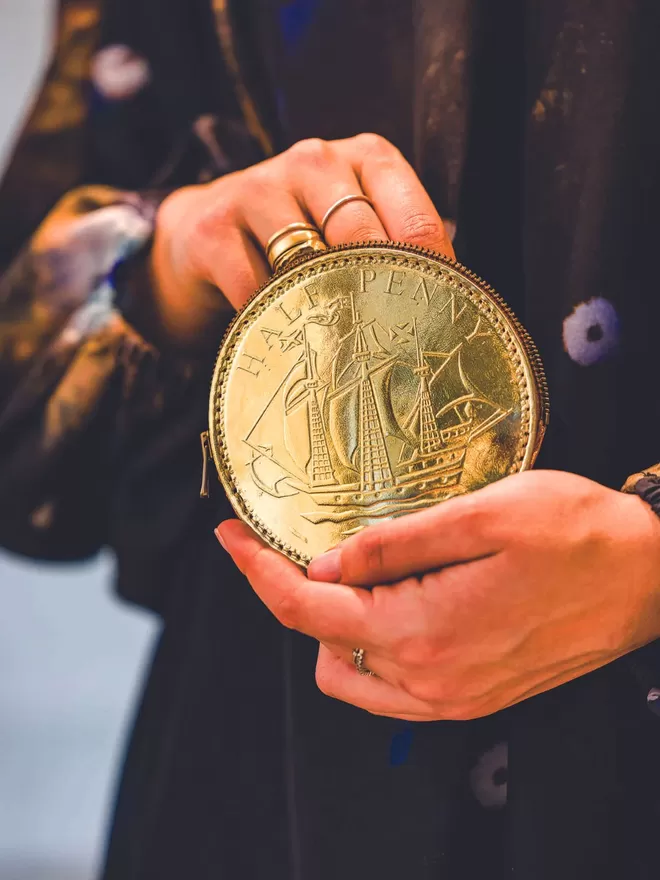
(353, 197)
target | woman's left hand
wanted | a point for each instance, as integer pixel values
(476, 603)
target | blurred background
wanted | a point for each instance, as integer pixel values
(71, 654)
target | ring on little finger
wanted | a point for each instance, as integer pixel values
(358, 660)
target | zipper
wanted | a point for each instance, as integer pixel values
(206, 456)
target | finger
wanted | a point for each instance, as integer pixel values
(332, 613)
(242, 213)
(237, 267)
(320, 177)
(206, 236)
(339, 679)
(403, 205)
(266, 204)
(459, 530)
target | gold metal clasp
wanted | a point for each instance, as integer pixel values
(206, 454)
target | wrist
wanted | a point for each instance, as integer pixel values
(646, 485)
(645, 562)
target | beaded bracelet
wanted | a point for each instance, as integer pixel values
(647, 485)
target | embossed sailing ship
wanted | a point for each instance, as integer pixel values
(384, 430)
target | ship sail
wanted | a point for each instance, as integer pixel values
(344, 411)
(449, 385)
(391, 425)
(343, 424)
(456, 398)
(274, 434)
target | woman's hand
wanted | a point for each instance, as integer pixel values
(211, 238)
(483, 601)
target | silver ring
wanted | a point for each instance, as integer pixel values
(357, 197)
(358, 659)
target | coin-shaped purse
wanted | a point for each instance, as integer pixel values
(367, 382)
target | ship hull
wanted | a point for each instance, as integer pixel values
(412, 489)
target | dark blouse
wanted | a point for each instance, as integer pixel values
(534, 126)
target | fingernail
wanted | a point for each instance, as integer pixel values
(219, 537)
(326, 567)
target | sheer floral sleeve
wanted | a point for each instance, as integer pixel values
(80, 387)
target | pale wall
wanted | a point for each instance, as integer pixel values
(70, 653)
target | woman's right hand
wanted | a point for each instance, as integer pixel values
(208, 255)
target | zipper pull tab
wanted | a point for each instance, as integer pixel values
(206, 454)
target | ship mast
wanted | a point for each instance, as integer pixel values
(320, 470)
(430, 441)
(375, 469)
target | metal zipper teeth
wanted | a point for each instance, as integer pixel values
(526, 340)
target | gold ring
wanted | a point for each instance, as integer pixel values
(290, 227)
(291, 242)
(285, 242)
(356, 197)
(304, 248)
(358, 660)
